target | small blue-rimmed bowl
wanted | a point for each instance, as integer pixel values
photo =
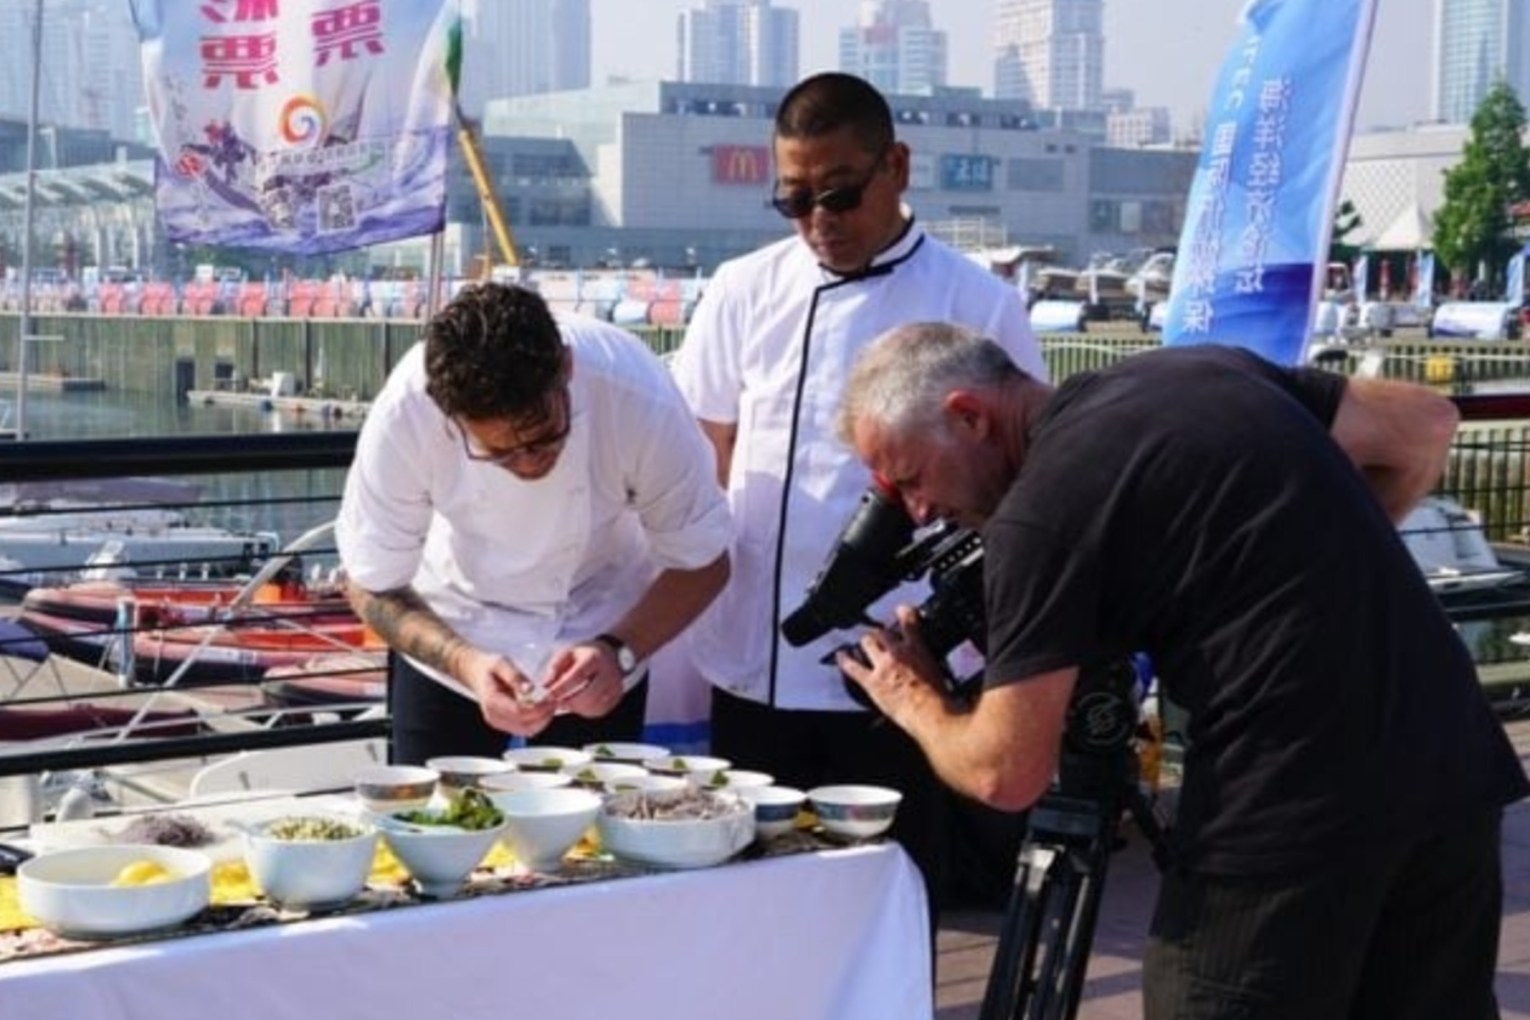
(775, 809)
(854, 811)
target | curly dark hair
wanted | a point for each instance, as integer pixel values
(494, 352)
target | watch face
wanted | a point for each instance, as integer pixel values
(626, 659)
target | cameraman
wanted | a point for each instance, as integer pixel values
(1337, 843)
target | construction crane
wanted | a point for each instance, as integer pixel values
(467, 136)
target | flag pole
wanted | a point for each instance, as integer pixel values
(24, 326)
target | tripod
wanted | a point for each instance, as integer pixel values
(1048, 927)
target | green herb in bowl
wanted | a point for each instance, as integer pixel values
(470, 809)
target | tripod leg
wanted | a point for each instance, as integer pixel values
(1047, 932)
(1078, 936)
(1009, 981)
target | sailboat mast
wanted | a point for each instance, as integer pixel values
(24, 330)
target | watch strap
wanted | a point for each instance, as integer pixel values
(626, 658)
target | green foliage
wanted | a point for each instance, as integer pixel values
(1472, 227)
(1346, 220)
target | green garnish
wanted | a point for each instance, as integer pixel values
(719, 778)
(604, 751)
(470, 809)
(587, 776)
(552, 763)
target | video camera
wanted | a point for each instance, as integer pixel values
(879, 548)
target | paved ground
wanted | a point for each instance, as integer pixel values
(965, 945)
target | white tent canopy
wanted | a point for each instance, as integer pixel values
(1412, 230)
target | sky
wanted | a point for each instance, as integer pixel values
(1167, 50)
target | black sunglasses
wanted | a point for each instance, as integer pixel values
(800, 202)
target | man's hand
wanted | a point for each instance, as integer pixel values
(585, 680)
(504, 693)
(903, 677)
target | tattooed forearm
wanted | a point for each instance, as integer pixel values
(408, 624)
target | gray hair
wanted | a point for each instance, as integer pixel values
(901, 379)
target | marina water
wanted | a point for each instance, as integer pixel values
(286, 502)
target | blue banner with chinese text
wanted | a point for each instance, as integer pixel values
(1259, 218)
(314, 128)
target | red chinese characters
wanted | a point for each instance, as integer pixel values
(249, 59)
(245, 58)
(347, 31)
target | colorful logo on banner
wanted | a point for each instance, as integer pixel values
(740, 164)
(1259, 218)
(316, 128)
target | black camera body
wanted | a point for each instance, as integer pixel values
(879, 548)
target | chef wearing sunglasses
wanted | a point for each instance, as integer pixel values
(763, 365)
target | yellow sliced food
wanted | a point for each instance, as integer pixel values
(143, 873)
(11, 916)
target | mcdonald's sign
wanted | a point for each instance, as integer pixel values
(740, 164)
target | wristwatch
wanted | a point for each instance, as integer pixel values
(626, 658)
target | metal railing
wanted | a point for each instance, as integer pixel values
(192, 455)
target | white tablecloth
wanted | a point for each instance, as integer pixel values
(835, 935)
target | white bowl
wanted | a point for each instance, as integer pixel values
(634, 754)
(543, 825)
(775, 809)
(648, 781)
(533, 758)
(600, 775)
(509, 782)
(700, 769)
(69, 892)
(855, 811)
(310, 874)
(675, 842)
(464, 771)
(385, 789)
(739, 779)
(439, 857)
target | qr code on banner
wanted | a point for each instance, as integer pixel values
(337, 209)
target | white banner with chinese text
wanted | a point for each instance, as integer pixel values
(299, 126)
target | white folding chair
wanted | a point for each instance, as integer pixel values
(288, 769)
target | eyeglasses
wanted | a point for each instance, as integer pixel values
(532, 450)
(800, 202)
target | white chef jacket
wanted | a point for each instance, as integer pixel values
(520, 567)
(770, 349)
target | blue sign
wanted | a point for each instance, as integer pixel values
(1260, 210)
(966, 172)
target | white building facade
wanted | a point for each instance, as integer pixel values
(522, 47)
(738, 42)
(1477, 42)
(91, 76)
(1050, 52)
(687, 166)
(895, 46)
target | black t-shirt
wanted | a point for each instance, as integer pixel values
(1190, 503)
